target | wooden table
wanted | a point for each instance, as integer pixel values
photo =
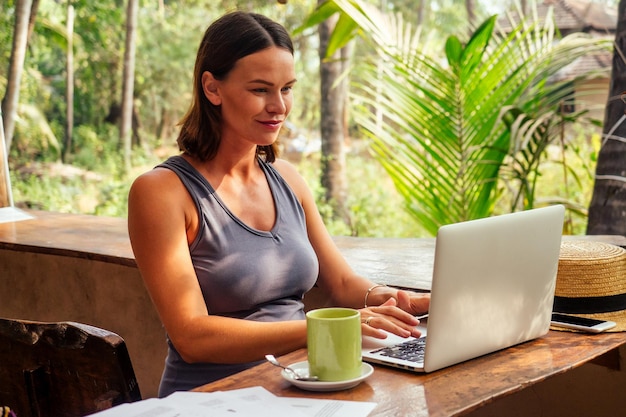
(453, 391)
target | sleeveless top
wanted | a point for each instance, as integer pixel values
(243, 272)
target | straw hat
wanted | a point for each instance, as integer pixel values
(591, 281)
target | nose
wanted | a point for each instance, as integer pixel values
(276, 104)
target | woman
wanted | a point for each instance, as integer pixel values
(228, 238)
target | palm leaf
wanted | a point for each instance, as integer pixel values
(439, 128)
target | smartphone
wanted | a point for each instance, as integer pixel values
(581, 323)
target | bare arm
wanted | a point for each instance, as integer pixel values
(162, 220)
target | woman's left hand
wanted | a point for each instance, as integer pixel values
(395, 316)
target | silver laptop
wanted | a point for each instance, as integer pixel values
(492, 287)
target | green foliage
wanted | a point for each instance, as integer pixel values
(97, 149)
(439, 128)
(375, 207)
(564, 175)
(113, 199)
(43, 143)
(44, 192)
(453, 141)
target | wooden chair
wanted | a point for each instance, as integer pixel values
(63, 369)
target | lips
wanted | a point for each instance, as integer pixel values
(272, 122)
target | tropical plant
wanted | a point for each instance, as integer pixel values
(444, 131)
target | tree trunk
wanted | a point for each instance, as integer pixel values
(16, 67)
(8, 108)
(128, 82)
(6, 199)
(607, 211)
(69, 88)
(33, 16)
(333, 98)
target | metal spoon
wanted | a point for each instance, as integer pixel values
(271, 359)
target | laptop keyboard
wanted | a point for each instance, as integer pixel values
(412, 350)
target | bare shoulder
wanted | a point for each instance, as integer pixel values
(158, 192)
(156, 174)
(285, 167)
(158, 181)
(290, 173)
(159, 207)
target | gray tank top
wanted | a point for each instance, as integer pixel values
(243, 272)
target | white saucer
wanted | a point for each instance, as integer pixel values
(303, 369)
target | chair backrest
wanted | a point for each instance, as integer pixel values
(63, 369)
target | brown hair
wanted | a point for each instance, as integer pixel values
(228, 39)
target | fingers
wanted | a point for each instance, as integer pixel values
(396, 315)
(379, 327)
(414, 303)
(404, 300)
(420, 303)
(390, 318)
(390, 302)
(367, 330)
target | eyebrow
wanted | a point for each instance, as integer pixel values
(260, 81)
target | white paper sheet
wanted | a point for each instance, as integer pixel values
(246, 402)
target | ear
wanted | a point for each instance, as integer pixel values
(210, 88)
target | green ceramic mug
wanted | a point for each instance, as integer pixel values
(334, 343)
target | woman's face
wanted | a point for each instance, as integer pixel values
(255, 97)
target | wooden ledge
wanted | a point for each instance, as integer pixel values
(75, 235)
(402, 262)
